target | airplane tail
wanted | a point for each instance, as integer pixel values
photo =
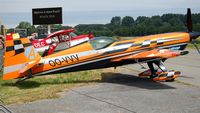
(19, 57)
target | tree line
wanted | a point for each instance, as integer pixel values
(143, 25)
(128, 26)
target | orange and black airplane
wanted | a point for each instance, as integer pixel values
(21, 61)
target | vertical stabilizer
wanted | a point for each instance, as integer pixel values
(19, 57)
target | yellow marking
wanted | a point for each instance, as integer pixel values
(16, 36)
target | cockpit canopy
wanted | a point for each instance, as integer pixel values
(101, 42)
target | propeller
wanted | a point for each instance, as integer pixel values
(189, 20)
(193, 35)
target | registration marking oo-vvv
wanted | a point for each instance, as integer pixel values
(64, 60)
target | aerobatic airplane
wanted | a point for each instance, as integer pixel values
(59, 40)
(23, 62)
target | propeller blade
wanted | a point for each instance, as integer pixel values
(189, 20)
(193, 35)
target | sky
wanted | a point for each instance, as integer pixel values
(92, 11)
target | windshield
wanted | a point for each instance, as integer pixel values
(73, 35)
(101, 42)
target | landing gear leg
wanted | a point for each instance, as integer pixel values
(161, 74)
(152, 69)
(161, 66)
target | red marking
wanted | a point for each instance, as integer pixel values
(38, 44)
(9, 37)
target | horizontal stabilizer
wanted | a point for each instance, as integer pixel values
(29, 66)
(155, 53)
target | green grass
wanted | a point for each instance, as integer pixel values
(44, 87)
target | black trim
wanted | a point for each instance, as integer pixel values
(9, 48)
(27, 44)
(145, 45)
(184, 52)
(136, 44)
(182, 47)
(16, 42)
(159, 43)
(155, 41)
(19, 51)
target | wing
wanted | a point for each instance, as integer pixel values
(155, 53)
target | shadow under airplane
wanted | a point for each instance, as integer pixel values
(109, 77)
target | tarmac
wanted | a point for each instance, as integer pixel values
(124, 92)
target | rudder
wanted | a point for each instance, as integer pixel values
(18, 54)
